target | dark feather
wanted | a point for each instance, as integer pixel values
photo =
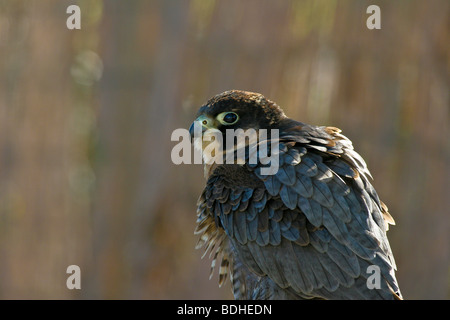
(289, 197)
(286, 175)
(273, 185)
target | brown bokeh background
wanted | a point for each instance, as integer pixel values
(86, 118)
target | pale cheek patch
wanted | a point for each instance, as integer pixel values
(211, 146)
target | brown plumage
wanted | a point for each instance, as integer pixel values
(311, 230)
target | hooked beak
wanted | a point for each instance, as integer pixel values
(203, 122)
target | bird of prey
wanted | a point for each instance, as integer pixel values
(314, 229)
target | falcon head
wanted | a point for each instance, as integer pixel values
(233, 111)
(237, 109)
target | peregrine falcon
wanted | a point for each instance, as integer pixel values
(314, 228)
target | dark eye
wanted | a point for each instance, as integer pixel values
(228, 118)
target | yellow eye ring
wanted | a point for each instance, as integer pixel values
(227, 118)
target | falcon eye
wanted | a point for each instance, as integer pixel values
(228, 118)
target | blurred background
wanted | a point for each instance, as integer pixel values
(86, 117)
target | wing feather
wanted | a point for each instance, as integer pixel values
(312, 228)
